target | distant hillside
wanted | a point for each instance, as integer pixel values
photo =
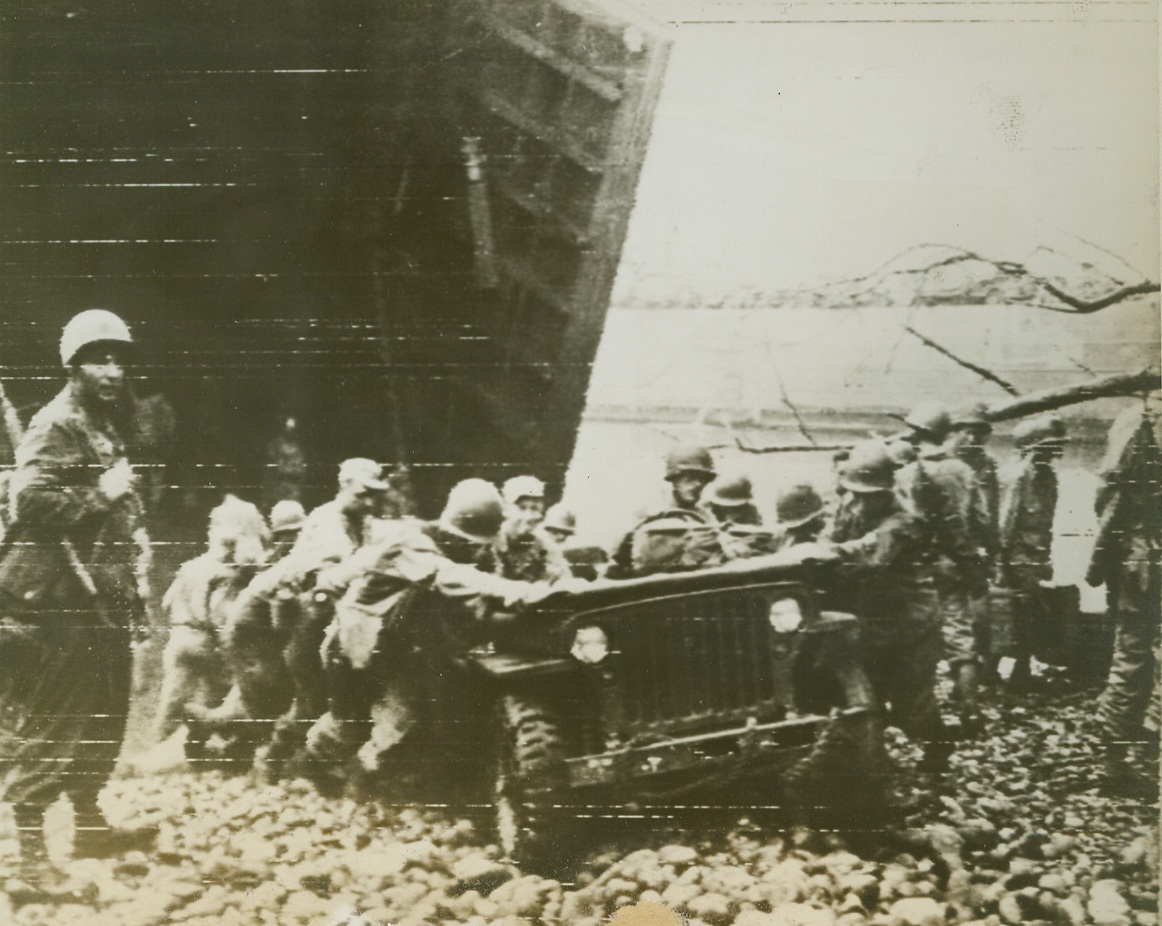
(933, 275)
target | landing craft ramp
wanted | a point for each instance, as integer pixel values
(286, 202)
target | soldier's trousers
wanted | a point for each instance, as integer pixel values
(901, 654)
(64, 696)
(1131, 684)
(305, 665)
(194, 672)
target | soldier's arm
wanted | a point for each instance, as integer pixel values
(52, 486)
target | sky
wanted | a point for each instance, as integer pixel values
(787, 152)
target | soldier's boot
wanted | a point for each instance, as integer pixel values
(95, 837)
(1121, 779)
(936, 756)
(38, 880)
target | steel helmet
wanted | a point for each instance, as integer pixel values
(696, 460)
(474, 511)
(519, 487)
(931, 420)
(798, 505)
(286, 515)
(730, 492)
(870, 468)
(974, 417)
(902, 452)
(90, 327)
(366, 475)
(560, 519)
(1042, 431)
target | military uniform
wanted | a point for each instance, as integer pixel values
(1026, 539)
(329, 536)
(195, 672)
(408, 611)
(944, 491)
(1127, 559)
(69, 595)
(892, 566)
(525, 557)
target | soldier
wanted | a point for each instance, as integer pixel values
(890, 556)
(802, 516)
(731, 501)
(1127, 559)
(520, 549)
(1026, 533)
(559, 526)
(195, 673)
(70, 591)
(943, 489)
(258, 629)
(970, 433)
(409, 600)
(286, 523)
(681, 536)
(330, 534)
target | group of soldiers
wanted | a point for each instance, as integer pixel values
(294, 637)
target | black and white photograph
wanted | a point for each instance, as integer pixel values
(580, 462)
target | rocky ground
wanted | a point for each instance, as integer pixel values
(1017, 832)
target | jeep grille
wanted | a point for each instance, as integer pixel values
(686, 660)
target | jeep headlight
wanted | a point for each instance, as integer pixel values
(785, 615)
(590, 645)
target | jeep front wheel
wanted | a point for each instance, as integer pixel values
(530, 762)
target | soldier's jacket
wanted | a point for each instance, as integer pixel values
(68, 544)
(943, 492)
(201, 590)
(986, 507)
(526, 557)
(1027, 524)
(404, 579)
(890, 564)
(328, 537)
(1129, 503)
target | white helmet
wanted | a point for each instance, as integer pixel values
(89, 327)
(519, 487)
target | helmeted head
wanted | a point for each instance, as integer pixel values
(95, 347)
(799, 505)
(901, 451)
(929, 422)
(361, 485)
(971, 427)
(474, 511)
(689, 470)
(1044, 435)
(524, 499)
(869, 469)
(238, 533)
(286, 519)
(560, 523)
(93, 328)
(730, 492)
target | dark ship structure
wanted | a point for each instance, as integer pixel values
(397, 222)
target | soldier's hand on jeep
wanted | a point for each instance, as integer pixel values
(811, 553)
(117, 481)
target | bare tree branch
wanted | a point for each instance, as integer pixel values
(1082, 307)
(1120, 384)
(794, 411)
(967, 364)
